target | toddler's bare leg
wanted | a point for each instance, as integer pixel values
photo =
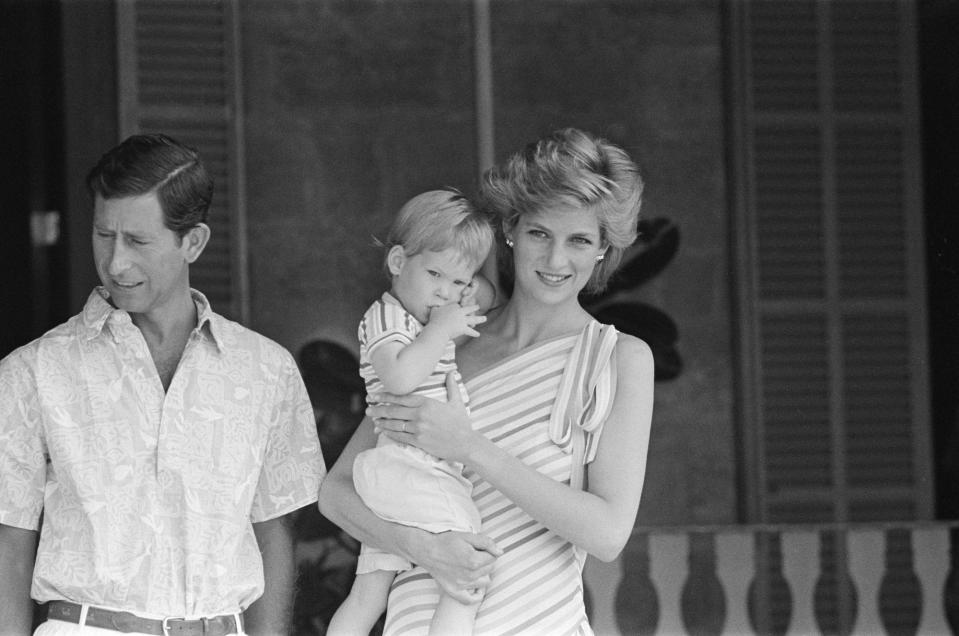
(364, 605)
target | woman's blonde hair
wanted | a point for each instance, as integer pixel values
(568, 167)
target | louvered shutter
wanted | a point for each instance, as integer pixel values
(829, 239)
(178, 74)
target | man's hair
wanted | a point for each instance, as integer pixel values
(438, 220)
(156, 163)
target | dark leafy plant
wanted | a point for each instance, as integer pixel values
(655, 248)
(326, 556)
(322, 582)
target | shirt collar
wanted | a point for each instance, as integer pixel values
(389, 298)
(98, 311)
(207, 321)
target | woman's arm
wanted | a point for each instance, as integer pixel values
(459, 561)
(600, 519)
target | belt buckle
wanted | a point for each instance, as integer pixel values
(165, 623)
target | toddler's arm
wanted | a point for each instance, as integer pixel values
(403, 367)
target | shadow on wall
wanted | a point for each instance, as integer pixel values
(326, 556)
(655, 247)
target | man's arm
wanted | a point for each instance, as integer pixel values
(18, 550)
(270, 614)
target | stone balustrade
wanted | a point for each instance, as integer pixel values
(882, 578)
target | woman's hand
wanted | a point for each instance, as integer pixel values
(460, 562)
(440, 428)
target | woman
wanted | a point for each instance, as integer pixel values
(555, 443)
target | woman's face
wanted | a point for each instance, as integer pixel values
(555, 251)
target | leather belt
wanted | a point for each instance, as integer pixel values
(126, 622)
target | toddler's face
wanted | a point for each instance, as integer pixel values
(429, 279)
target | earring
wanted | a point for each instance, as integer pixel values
(600, 257)
(509, 242)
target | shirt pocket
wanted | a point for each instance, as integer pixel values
(215, 453)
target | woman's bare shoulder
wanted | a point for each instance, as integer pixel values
(633, 355)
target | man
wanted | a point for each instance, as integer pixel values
(164, 444)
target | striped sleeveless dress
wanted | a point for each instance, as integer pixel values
(545, 405)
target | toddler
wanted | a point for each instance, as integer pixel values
(434, 251)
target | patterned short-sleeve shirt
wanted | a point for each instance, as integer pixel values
(149, 496)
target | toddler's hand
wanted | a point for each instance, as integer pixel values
(456, 320)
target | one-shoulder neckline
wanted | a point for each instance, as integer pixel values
(523, 352)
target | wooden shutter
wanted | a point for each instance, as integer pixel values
(829, 248)
(178, 74)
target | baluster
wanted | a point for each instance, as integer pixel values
(801, 569)
(835, 598)
(866, 565)
(702, 600)
(930, 549)
(950, 595)
(602, 580)
(637, 602)
(668, 555)
(900, 594)
(735, 567)
(770, 599)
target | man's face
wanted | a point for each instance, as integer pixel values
(141, 262)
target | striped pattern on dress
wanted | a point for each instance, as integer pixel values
(536, 584)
